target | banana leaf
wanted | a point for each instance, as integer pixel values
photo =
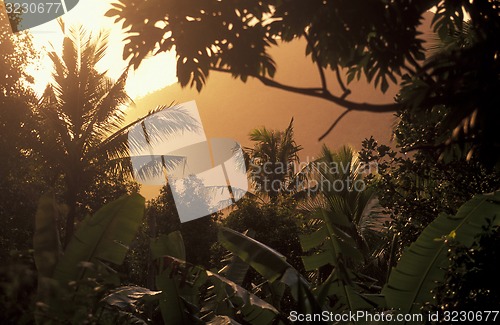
(253, 309)
(423, 264)
(102, 238)
(128, 298)
(334, 247)
(236, 270)
(171, 244)
(175, 298)
(271, 265)
(181, 285)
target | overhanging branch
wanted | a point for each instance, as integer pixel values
(334, 124)
(319, 93)
(346, 90)
(318, 63)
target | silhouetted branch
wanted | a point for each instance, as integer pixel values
(318, 93)
(333, 125)
(345, 90)
(318, 64)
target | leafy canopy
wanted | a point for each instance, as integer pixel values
(372, 38)
(379, 39)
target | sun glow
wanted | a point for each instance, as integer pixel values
(154, 73)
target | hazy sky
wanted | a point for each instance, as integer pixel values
(150, 77)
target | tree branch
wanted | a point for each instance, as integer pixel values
(333, 125)
(318, 64)
(318, 93)
(346, 91)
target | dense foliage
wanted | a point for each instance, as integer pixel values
(277, 225)
(308, 248)
(19, 166)
(415, 188)
(467, 283)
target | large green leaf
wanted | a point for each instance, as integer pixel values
(128, 298)
(237, 269)
(423, 265)
(270, 264)
(103, 237)
(126, 305)
(176, 297)
(170, 244)
(174, 305)
(265, 260)
(253, 309)
(181, 284)
(334, 246)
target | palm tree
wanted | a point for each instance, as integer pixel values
(81, 113)
(273, 160)
(338, 193)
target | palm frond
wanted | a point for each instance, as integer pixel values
(171, 122)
